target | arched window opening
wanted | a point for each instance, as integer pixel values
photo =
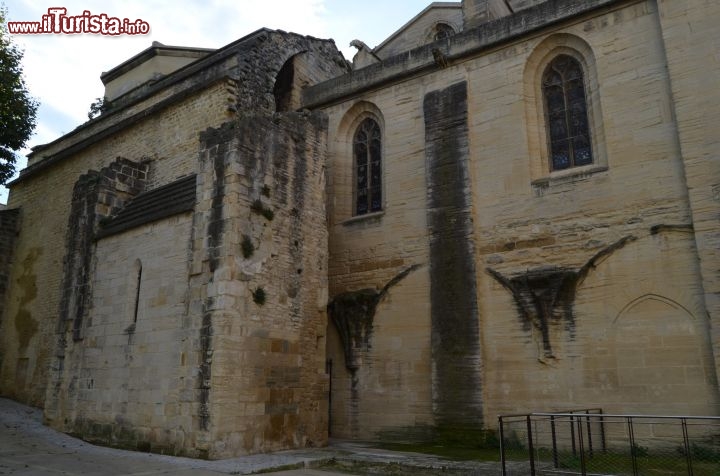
(443, 31)
(566, 114)
(284, 88)
(367, 151)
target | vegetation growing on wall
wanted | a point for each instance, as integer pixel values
(260, 208)
(247, 247)
(259, 296)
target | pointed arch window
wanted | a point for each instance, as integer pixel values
(566, 114)
(367, 152)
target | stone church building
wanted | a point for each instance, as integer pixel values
(506, 206)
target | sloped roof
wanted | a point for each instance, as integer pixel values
(162, 202)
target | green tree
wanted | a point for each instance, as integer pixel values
(17, 107)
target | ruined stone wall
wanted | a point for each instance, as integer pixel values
(152, 384)
(169, 139)
(262, 59)
(131, 383)
(259, 281)
(573, 269)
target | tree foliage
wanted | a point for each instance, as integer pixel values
(17, 107)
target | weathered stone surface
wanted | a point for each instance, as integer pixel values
(146, 310)
(422, 29)
(166, 201)
(687, 33)
(261, 379)
(531, 289)
(631, 334)
(352, 313)
(9, 224)
(455, 337)
(469, 42)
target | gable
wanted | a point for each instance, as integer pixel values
(421, 29)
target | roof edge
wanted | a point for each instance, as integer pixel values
(414, 19)
(156, 49)
(172, 78)
(457, 48)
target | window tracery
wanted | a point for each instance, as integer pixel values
(566, 114)
(367, 152)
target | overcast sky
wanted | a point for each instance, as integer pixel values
(63, 71)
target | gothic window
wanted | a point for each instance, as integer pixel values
(367, 152)
(443, 30)
(566, 114)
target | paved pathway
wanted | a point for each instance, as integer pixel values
(29, 448)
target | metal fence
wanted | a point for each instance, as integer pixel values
(589, 442)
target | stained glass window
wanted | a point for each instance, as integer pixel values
(566, 112)
(367, 149)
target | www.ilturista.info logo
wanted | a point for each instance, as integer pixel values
(58, 22)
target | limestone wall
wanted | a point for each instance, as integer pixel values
(477, 12)
(156, 124)
(421, 30)
(609, 251)
(9, 224)
(259, 285)
(688, 32)
(633, 344)
(645, 293)
(487, 284)
(391, 386)
(134, 384)
(45, 202)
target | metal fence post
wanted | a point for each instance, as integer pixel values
(581, 447)
(502, 444)
(662, 452)
(554, 442)
(589, 432)
(530, 446)
(603, 442)
(686, 442)
(633, 450)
